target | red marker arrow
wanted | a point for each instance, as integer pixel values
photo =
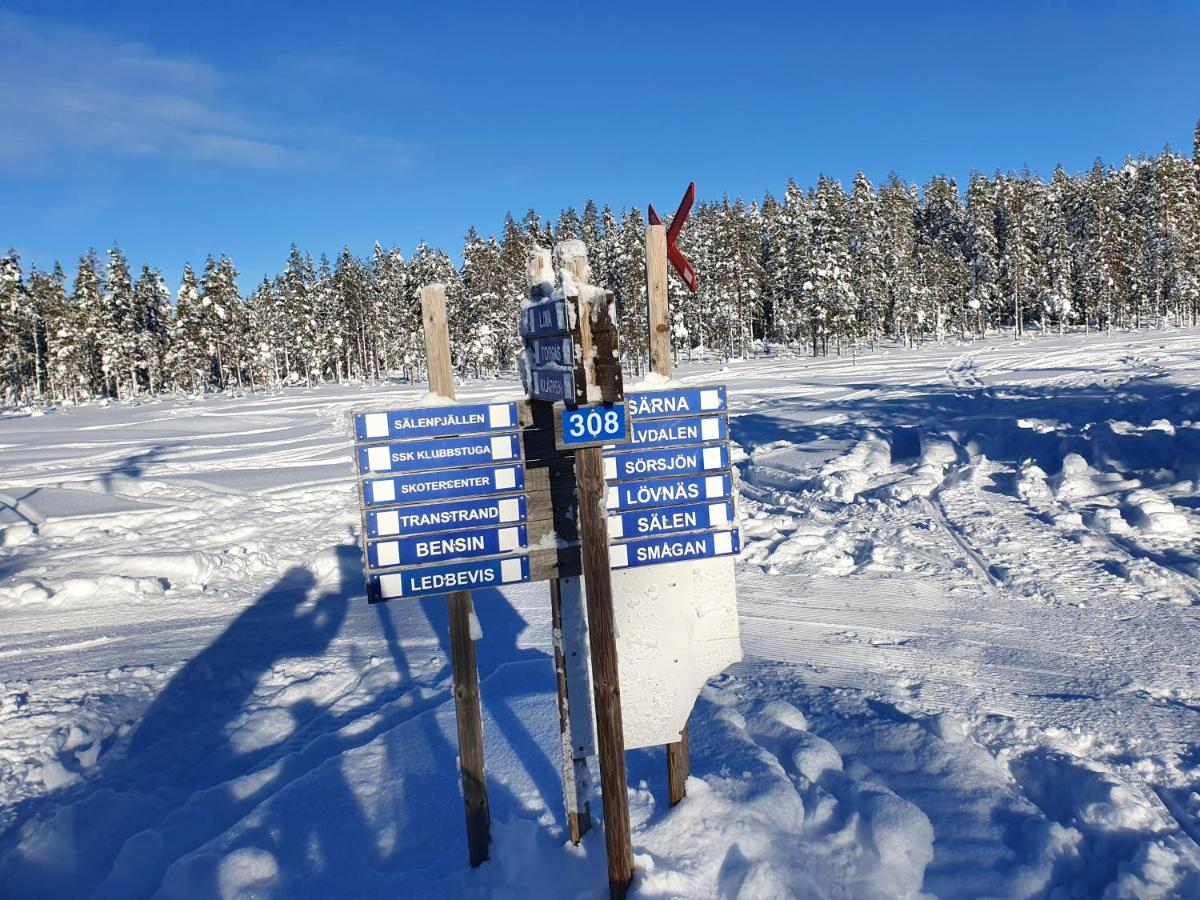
(678, 260)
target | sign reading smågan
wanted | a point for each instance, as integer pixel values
(670, 490)
(442, 490)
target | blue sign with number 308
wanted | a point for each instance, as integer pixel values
(589, 426)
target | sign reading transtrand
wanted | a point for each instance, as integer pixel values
(442, 490)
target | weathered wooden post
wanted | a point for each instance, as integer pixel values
(678, 760)
(462, 648)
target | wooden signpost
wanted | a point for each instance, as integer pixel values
(581, 486)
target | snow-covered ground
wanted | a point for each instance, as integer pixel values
(970, 595)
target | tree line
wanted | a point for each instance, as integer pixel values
(819, 270)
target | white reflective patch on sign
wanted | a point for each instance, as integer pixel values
(710, 400)
(710, 429)
(510, 509)
(382, 492)
(712, 457)
(723, 542)
(614, 497)
(501, 448)
(388, 553)
(388, 522)
(610, 468)
(618, 556)
(616, 527)
(717, 515)
(498, 416)
(714, 486)
(391, 586)
(510, 539)
(506, 479)
(379, 459)
(376, 424)
(510, 570)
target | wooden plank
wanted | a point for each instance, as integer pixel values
(606, 685)
(678, 756)
(574, 767)
(467, 712)
(656, 294)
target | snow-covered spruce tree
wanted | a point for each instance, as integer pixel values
(483, 286)
(81, 326)
(1175, 201)
(117, 329)
(1138, 257)
(829, 300)
(590, 232)
(898, 219)
(218, 322)
(1019, 229)
(50, 304)
(399, 317)
(21, 358)
(569, 226)
(152, 322)
(628, 284)
(1055, 272)
(430, 266)
(982, 253)
(946, 277)
(355, 314)
(773, 262)
(869, 277)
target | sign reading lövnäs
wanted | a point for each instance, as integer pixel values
(443, 498)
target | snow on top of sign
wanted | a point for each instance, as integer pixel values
(539, 274)
(568, 256)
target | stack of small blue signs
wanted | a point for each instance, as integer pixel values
(670, 496)
(444, 507)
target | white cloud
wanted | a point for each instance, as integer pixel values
(66, 90)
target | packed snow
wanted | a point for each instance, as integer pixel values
(969, 597)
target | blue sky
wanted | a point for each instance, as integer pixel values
(179, 130)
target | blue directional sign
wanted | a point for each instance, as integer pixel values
(553, 351)
(443, 485)
(423, 518)
(670, 519)
(546, 318)
(459, 576)
(685, 402)
(440, 453)
(689, 430)
(435, 421)
(430, 548)
(623, 465)
(675, 548)
(625, 495)
(555, 385)
(589, 426)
